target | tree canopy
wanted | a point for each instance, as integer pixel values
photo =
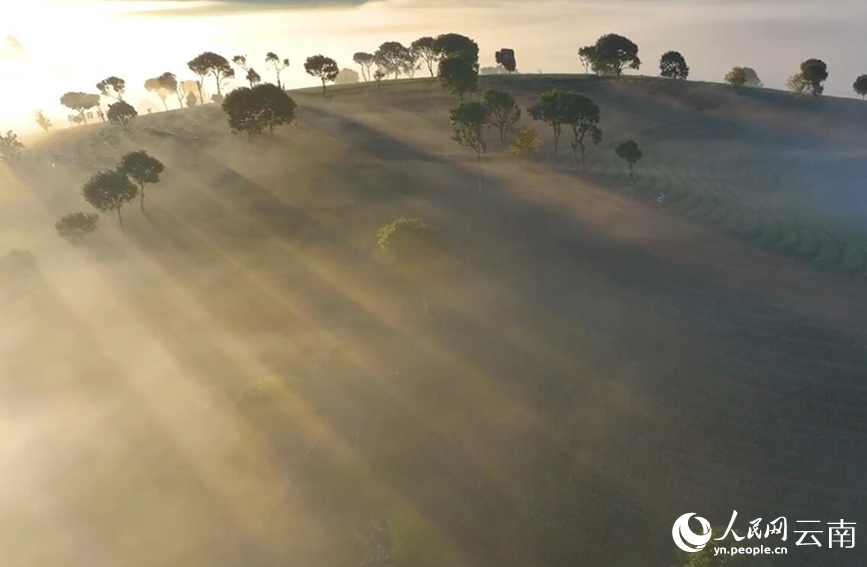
(325, 68)
(278, 64)
(673, 65)
(860, 86)
(453, 45)
(121, 113)
(549, 109)
(743, 77)
(424, 49)
(458, 76)
(10, 147)
(467, 120)
(209, 63)
(252, 111)
(109, 191)
(75, 227)
(630, 152)
(80, 102)
(503, 112)
(506, 58)
(611, 54)
(814, 72)
(582, 115)
(112, 87)
(365, 61)
(143, 169)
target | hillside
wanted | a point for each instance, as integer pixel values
(239, 379)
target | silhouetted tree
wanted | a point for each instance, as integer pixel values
(109, 191)
(155, 86)
(506, 58)
(169, 84)
(588, 56)
(279, 65)
(265, 106)
(121, 113)
(860, 86)
(80, 102)
(75, 227)
(549, 109)
(814, 72)
(503, 112)
(378, 76)
(582, 115)
(209, 63)
(452, 45)
(423, 47)
(43, 121)
(389, 57)
(673, 65)
(142, 169)
(612, 53)
(323, 67)
(112, 87)
(458, 76)
(10, 148)
(365, 61)
(630, 153)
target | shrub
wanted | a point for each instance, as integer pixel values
(76, 227)
(525, 142)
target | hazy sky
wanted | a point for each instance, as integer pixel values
(48, 47)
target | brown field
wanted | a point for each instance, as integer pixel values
(238, 379)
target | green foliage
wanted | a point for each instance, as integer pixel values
(860, 86)
(587, 55)
(10, 148)
(797, 85)
(525, 142)
(673, 65)
(611, 54)
(121, 113)
(323, 67)
(737, 77)
(453, 45)
(76, 227)
(549, 109)
(813, 73)
(506, 58)
(396, 58)
(457, 76)
(252, 111)
(631, 153)
(408, 240)
(468, 119)
(582, 115)
(142, 169)
(503, 111)
(109, 191)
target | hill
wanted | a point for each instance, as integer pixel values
(238, 378)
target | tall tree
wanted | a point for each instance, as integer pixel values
(121, 113)
(325, 68)
(503, 112)
(155, 86)
(43, 121)
(673, 65)
(251, 111)
(453, 45)
(458, 76)
(169, 83)
(613, 53)
(143, 169)
(279, 65)
(549, 109)
(365, 61)
(630, 153)
(743, 77)
(506, 58)
(112, 87)
(860, 86)
(582, 115)
(80, 102)
(423, 47)
(109, 191)
(390, 56)
(467, 120)
(814, 72)
(588, 56)
(209, 63)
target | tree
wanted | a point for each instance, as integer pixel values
(409, 242)
(142, 169)
(814, 72)
(365, 61)
(80, 102)
(323, 67)
(423, 47)
(506, 58)
(391, 56)
(192, 100)
(452, 45)
(588, 56)
(10, 148)
(582, 115)
(525, 142)
(112, 87)
(630, 153)
(253, 77)
(109, 191)
(549, 109)
(265, 106)
(673, 65)
(612, 53)
(797, 85)
(209, 63)
(458, 76)
(860, 86)
(378, 76)
(76, 227)
(279, 65)
(503, 112)
(155, 86)
(249, 73)
(743, 76)
(467, 120)
(169, 83)
(121, 113)
(43, 121)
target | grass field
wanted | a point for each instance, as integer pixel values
(239, 379)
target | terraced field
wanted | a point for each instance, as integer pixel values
(238, 378)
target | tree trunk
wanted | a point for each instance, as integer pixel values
(324, 90)
(141, 200)
(119, 218)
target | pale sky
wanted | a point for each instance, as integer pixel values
(48, 47)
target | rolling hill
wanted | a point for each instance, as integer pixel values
(238, 378)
